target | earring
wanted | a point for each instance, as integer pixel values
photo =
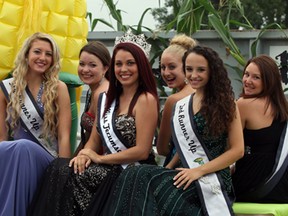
(186, 81)
(116, 83)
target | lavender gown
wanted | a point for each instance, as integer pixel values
(22, 164)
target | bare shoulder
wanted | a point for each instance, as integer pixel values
(62, 90)
(146, 98)
(255, 113)
(146, 103)
(96, 96)
(62, 86)
(250, 103)
(243, 101)
(171, 100)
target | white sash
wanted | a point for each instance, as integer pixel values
(280, 166)
(31, 118)
(109, 134)
(213, 198)
(282, 153)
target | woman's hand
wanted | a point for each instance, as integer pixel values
(186, 177)
(80, 163)
(96, 158)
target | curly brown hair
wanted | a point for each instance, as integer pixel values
(218, 104)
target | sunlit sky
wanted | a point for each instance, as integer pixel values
(131, 12)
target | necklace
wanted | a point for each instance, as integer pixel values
(39, 95)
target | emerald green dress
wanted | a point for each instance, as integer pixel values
(149, 189)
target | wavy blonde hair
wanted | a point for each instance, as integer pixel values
(50, 81)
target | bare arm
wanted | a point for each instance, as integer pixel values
(93, 146)
(94, 142)
(164, 134)
(3, 105)
(94, 102)
(242, 107)
(174, 162)
(64, 118)
(233, 153)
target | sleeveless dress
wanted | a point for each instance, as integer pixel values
(149, 190)
(65, 193)
(86, 123)
(257, 164)
(22, 163)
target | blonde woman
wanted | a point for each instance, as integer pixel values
(173, 74)
(35, 122)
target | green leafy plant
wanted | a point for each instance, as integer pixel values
(190, 17)
(158, 43)
(94, 22)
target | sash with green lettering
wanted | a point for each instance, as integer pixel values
(193, 153)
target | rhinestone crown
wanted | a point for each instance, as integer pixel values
(138, 40)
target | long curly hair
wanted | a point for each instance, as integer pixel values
(218, 104)
(50, 81)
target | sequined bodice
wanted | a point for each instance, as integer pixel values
(215, 145)
(126, 126)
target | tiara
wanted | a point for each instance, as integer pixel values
(138, 40)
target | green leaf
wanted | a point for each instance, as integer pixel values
(139, 30)
(246, 26)
(263, 30)
(95, 21)
(89, 16)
